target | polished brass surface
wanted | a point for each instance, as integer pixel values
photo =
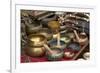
(35, 51)
(36, 40)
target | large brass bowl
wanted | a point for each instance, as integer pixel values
(35, 51)
(36, 40)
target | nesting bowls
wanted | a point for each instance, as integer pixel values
(35, 45)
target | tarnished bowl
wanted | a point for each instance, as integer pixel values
(56, 54)
(31, 28)
(35, 51)
(36, 40)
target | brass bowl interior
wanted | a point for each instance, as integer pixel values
(37, 40)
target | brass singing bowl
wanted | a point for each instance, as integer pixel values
(31, 28)
(35, 51)
(54, 25)
(36, 40)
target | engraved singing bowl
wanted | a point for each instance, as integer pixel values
(56, 54)
(66, 39)
(36, 40)
(53, 43)
(74, 46)
(35, 51)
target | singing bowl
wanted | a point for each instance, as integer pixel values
(35, 51)
(54, 25)
(56, 54)
(74, 46)
(31, 28)
(66, 39)
(46, 32)
(36, 40)
(53, 43)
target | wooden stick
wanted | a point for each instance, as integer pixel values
(58, 39)
(77, 37)
(81, 50)
(47, 47)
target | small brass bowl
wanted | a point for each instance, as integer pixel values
(56, 54)
(36, 40)
(35, 51)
